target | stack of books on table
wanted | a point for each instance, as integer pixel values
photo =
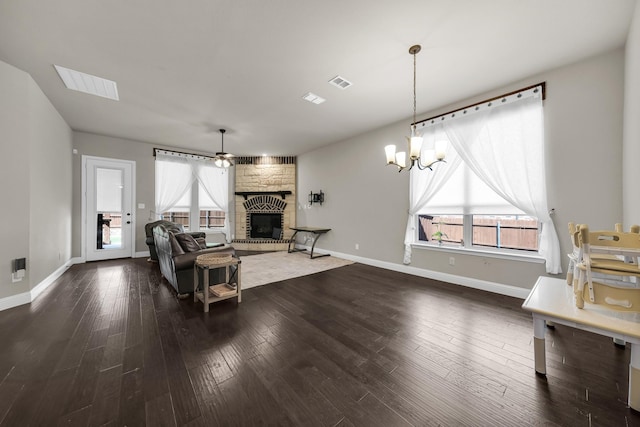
(223, 289)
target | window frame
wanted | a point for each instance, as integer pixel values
(469, 248)
(194, 211)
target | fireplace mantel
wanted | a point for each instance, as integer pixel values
(245, 194)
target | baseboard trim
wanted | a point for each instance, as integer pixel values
(143, 254)
(28, 297)
(37, 290)
(484, 285)
(14, 301)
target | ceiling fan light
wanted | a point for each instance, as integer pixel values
(221, 160)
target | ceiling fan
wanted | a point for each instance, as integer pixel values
(222, 159)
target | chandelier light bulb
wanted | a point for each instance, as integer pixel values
(390, 150)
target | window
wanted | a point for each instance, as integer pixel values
(465, 212)
(510, 232)
(181, 211)
(210, 216)
(491, 193)
(191, 191)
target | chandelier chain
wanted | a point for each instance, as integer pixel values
(414, 90)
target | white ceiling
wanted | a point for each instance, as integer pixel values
(184, 69)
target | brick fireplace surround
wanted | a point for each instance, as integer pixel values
(269, 176)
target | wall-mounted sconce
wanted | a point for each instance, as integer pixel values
(316, 198)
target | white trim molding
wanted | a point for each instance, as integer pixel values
(142, 254)
(14, 301)
(28, 297)
(497, 288)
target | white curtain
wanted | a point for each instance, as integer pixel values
(505, 148)
(174, 177)
(424, 184)
(215, 182)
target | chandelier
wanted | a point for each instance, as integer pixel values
(415, 140)
(222, 159)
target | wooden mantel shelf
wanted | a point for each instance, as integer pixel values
(245, 194)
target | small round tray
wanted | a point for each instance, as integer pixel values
(213, 259)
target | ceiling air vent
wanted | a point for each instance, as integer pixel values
(313, 98)
(340, 82)
(86, 83)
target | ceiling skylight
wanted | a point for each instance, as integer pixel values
(86, 83)
(313, 98)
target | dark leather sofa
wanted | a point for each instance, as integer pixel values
(176, 265)
(170, 226)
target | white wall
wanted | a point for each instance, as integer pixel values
(35, 169)
(50, 195)
(366, 202)
(631, 146)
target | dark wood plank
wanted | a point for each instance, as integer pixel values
(110, 344)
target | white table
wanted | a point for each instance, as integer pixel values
(551, 300)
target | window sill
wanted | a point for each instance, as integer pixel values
(481, 252)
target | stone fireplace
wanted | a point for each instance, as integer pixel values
(265, 189)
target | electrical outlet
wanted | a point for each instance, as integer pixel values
(452, 261)
(17, 276)
(357, 246)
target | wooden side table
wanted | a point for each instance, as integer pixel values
(206, 294)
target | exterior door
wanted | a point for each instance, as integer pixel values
(109, 221)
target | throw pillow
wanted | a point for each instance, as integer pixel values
(187, 242)
(176, 249)
(202, 242)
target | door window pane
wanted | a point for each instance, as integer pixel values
(109, 185)
(109, 193)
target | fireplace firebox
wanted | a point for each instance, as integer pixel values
(266, 225)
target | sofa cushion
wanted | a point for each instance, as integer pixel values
(176, 249)
(187, 242)
(201, 242)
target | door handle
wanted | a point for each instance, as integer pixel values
(128, 222)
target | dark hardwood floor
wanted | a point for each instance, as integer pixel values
(110, 344)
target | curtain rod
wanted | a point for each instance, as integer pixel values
(544, 96)
(182, 153)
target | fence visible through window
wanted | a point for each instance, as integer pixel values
(519, 232)
(211, 219)
(207, 218)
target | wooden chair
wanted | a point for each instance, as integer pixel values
(615, 284)
(574, 257)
